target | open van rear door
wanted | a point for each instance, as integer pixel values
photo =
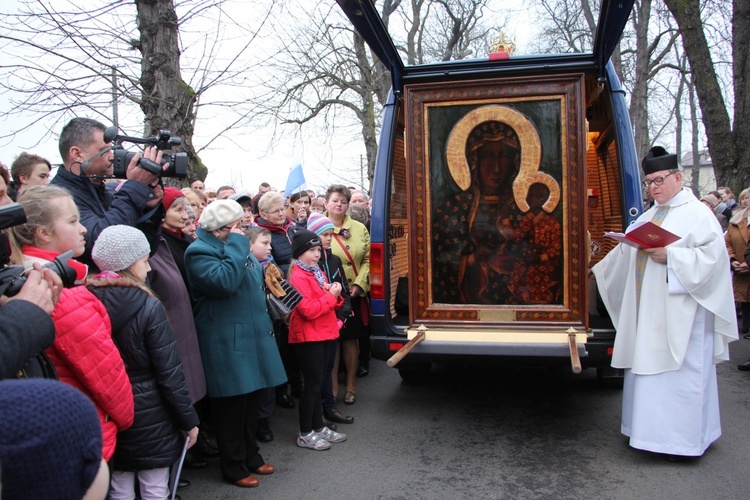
(494, 180)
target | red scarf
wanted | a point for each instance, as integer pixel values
(80, 269)
(176, 233)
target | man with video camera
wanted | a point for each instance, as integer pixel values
(25, 324)
(87, 161)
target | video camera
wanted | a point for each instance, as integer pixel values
(12, 278)
(178, 162)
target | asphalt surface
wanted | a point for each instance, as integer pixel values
(494, 432)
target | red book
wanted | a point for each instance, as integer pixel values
(644, 234)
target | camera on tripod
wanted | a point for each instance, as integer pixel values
(12, 278)
(178, 162)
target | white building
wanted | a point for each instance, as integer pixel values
(706, 177)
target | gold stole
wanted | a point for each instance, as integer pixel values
(642, 258)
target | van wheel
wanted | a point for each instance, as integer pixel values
(415, 374)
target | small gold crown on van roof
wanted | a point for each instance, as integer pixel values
(503, 44)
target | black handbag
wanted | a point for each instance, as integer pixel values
(281, 307)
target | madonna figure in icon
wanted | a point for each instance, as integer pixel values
(493, 227)
(475, 233)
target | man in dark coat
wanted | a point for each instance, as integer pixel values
(87, 162)
(26, 328)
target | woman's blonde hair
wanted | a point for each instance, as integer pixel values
(194, 196)
(127, 278)
(268, 199)
(40, 211)
(744, 192)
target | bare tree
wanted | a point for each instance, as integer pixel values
(71, 60)
(643, 52)
(328, 75)
(565, 26)
(729, 147)
(166, 100)
(650, 56)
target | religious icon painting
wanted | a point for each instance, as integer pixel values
(497, 168)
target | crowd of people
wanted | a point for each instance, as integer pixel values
(166, 330)
(734, 218)
(167, 338)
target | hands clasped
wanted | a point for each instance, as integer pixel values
(334, 288)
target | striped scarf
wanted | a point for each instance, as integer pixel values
(315, 270)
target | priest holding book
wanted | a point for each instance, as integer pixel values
(673, 309)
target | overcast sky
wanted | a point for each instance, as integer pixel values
(242, 158)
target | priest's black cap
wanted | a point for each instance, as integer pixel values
(657, 159)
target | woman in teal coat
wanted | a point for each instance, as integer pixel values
(235, 333)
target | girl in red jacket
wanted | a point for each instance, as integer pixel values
(83, 352)
(313, 326)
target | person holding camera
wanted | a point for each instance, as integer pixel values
(26, 328)
(83, 352)
(87, 161)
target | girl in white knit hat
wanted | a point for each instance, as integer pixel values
(164, 413)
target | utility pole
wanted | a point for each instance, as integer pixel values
(115, 117)
(361, 174)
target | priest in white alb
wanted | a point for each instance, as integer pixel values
(673, 309)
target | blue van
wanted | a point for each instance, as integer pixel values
(495, 181)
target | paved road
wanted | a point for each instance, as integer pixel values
(505, 433)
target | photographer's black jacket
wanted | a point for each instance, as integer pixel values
(25, 331)
(101, 207)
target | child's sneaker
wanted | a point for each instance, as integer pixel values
(313, 441)
(331, 436)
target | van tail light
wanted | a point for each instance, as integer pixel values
(395, 346)
(376, 271)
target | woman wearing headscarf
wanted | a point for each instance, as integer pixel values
(475, 266)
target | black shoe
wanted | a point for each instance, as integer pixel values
(680, 459)
(744, 367)
(336, 416)
(264, 433)
(194, 461)
(182, 484)
(204, 448)
(363, 370)
(285, 401)
(746, 336)
(330, 425)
